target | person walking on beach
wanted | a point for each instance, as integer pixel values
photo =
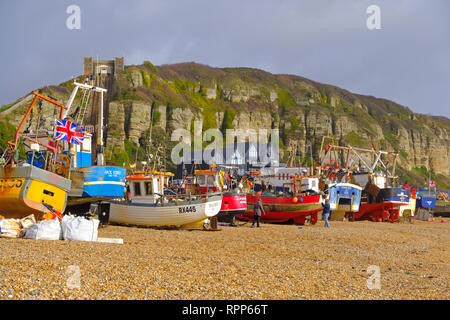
(326, 211)
(257, 211)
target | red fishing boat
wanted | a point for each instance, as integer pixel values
(205, 181)
(297, 207)
(380, 201)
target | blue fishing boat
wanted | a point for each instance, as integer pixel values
(104, 182)
(96, 183)
(426, 199)
(394, 195)
(344, 197)
(99, 182)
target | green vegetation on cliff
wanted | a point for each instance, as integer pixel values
(303, 110)
(7, 131)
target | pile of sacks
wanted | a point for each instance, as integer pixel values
(15, 228)
(69, 228)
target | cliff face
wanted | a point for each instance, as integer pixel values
(303, 110)
(245, 98)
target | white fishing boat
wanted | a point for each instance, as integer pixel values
(147, 205)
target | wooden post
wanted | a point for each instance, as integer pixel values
(348, 158)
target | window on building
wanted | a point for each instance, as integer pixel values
(253, 153)
(236, 158)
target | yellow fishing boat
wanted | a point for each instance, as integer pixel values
(40, 183)
(30, 190)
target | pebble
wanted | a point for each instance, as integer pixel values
(272, 262)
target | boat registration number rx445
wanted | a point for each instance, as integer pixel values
(187, 209)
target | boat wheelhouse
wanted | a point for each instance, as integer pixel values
(206, 181)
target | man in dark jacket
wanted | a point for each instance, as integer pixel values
(326, 211)
(257, 211)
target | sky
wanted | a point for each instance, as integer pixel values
(407, 60)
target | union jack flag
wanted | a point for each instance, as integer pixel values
(68, 131)
(432, 184)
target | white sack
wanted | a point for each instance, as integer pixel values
(79, 228)
(45, 230)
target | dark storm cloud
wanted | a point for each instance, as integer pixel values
(406, 61)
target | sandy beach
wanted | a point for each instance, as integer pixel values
(272, 262)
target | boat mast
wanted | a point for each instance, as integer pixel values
(149, 149)
(100, 155)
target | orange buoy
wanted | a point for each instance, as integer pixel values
(294, 200)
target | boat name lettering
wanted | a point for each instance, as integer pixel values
(187, 209)
(113, 173)
(11, 183)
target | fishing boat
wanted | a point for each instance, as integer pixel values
(297, 206)
(380, 201)
(427, 199)
(233, 204)
(99, 181)
(408, 211)
(442, 207)
(368, 194)
(206, 181)
(39, 183)
(426, 203)
(344, 197)
(146, 205)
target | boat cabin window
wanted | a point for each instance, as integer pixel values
(201, 180)
(211, 181)
(137, 189)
